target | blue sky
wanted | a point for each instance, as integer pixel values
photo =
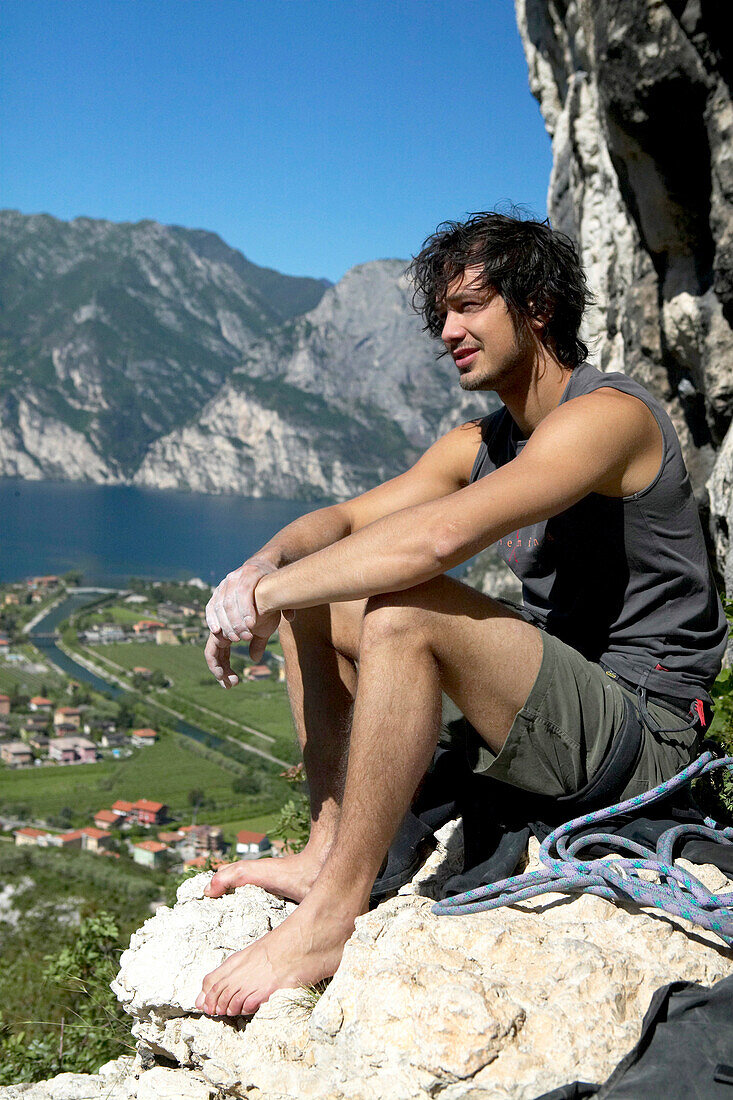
(310, 134)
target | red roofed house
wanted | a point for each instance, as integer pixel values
(39, 702)
(49, 581)
(95, 840)
(147, 626)
(257, 672)
(171, 838)
(200, 862)
(4, 704)
(149, 853)
(74, 839)
(149, 813)
(107, 819)
(122, 808)
(143, 737)
(252, 845)
(29, 835)
(67, 716)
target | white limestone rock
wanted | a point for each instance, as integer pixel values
(420, 1004)
(119, 1082)
(492, 1006)
(343, 397)
(34, 445)
(641, 180)
(161, 972)
(720, 488)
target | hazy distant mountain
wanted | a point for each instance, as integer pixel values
(159, 355)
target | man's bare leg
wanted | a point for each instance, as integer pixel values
(438, 635)
(320, 648)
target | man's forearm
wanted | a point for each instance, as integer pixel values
(391, 554)
(306, 535)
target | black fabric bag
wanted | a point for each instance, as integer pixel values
(685, 1051)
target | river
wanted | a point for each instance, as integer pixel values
(43, 635)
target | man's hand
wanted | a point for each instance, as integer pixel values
(232, 616)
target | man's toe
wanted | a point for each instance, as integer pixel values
(235, 1005)
(217, 886)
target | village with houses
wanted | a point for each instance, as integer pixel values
(186, 848)
(67, 726)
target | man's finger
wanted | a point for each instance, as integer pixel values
(217, 653)
(244, 611)
(222, 614)
(211, 620)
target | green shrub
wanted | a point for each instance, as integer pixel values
(91, 1027)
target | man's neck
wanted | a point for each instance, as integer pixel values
(537, 394)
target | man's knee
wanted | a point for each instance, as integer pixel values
(335, 626)
(392, 615)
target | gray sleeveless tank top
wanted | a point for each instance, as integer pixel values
(625, 581)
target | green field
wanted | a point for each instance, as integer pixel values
(13, 675)
(165, 772)
(260, 704)
(124, 614)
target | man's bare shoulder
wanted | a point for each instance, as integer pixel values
(612, 433)
(605, 407)
(458, 448)
(443, 469)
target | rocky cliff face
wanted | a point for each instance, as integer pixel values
(158, 355)
(488, 1006)
(113, 334)
(327, 405)
(636, 95)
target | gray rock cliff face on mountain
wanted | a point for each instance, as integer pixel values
(328, 405)
(113, 334)
(158, 355)
(636, 95)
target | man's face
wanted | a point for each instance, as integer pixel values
(479, 333)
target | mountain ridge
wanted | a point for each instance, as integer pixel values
(123, 345)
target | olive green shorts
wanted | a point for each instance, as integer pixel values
(562, 733)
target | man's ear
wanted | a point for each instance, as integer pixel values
(537, 323)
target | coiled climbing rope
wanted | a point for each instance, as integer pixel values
(673, 889)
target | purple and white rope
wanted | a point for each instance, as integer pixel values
(675, 891)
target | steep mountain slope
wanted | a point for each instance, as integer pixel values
(328, 404)
(111, 335)
(636, 95)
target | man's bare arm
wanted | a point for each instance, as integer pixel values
(587, 445)
(444, 467)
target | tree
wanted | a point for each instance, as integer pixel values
(196, 798)
(247, 784)
(125, 712)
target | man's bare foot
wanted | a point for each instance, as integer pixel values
(289, 877)
(305, 948)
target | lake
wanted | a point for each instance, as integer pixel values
(112, 532)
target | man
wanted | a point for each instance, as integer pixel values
(580, 480)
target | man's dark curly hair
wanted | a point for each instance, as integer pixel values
(532, 266)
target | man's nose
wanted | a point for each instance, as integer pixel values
(452, 328)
